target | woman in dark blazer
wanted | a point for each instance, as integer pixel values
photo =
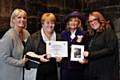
(74, 34)
(36, 48)
(103, 49)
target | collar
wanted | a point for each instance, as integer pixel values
(53, 37)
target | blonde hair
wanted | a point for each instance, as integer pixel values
(14, 14)
(48, 16)
(79, 24)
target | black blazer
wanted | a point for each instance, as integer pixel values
(104, 55)
(36, 44)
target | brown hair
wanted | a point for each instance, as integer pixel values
(98, 15)
(104, 23)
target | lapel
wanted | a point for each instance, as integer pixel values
(17, 40)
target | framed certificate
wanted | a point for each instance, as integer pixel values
(57, 48)
(77, 52)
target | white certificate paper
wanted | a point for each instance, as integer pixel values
(57, 48)
(77, 52)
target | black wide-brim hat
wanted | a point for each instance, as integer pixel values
(74, 14)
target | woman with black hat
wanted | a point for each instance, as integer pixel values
(74, 34)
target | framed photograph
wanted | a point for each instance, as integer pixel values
(57, 48)
(77, 52)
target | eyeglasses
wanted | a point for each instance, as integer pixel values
(90, 21)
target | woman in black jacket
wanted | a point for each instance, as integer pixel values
(36, 48)
(103, 49)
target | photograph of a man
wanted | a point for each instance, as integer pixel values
(77, 53)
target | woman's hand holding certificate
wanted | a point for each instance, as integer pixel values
(44, 58)
(34, 57)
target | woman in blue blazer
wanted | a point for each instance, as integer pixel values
(74, 34)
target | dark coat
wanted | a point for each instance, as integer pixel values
(36, 44)
(65, 36)
(73, 70)
(103, 56)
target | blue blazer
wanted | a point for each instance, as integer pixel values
(65, 36)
